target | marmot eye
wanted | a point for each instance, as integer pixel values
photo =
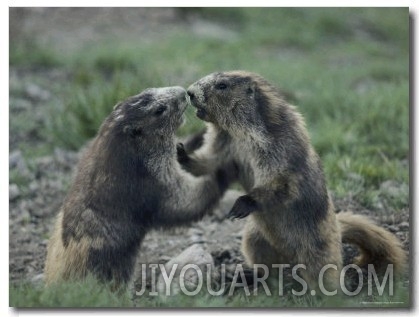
(221, 86)
(160, 110)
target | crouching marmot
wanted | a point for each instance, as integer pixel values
(128, 182)
(290, 216)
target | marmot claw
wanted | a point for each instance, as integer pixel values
(182, 156)
(243, 207)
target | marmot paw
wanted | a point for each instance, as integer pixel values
(182, 156)
(243, 207)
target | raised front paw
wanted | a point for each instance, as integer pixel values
(243, 207)
(182, 156)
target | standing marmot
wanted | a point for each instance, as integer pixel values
(128, 182)
(291, 218)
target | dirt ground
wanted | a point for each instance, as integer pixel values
(33, 207)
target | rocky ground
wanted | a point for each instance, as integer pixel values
(39, 185)
(33, 209)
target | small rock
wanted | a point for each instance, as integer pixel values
(38, 280)
(34, 186)
(14, 192)
(16, 161)
(36, 93)
(14, 158)
(400, 235)
(392, 228)
(392, 188)
(404, 226)
(197, 260)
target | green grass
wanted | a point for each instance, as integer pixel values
(90, 293)
(28, 53)
(347, 71)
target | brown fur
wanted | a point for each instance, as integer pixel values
(379, 247)
(290, 216)
(128, 182)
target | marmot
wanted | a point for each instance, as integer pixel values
(128, 182)
(290, 216)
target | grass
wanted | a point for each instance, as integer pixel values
(40, 56)
(347, 71)
(90, 293)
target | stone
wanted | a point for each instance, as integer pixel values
(404, 226)
(17, 161)
(394, 189)
(14, 192)
(36, 93)
(191, 268)
(38, 280)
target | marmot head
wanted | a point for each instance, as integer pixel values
(236, 101)
(154, 113)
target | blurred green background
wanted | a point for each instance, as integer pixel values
(347, 70)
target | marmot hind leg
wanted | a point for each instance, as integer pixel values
(261, 256)
(257, 250)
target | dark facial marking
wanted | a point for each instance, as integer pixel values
(134, 133)
(160, 110)
(221, 86)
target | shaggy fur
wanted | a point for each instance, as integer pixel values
(290, 216)
(127, 183)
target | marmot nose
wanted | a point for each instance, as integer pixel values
(191, 94)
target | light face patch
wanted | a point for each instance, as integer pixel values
(119, 117)
(118, 113)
